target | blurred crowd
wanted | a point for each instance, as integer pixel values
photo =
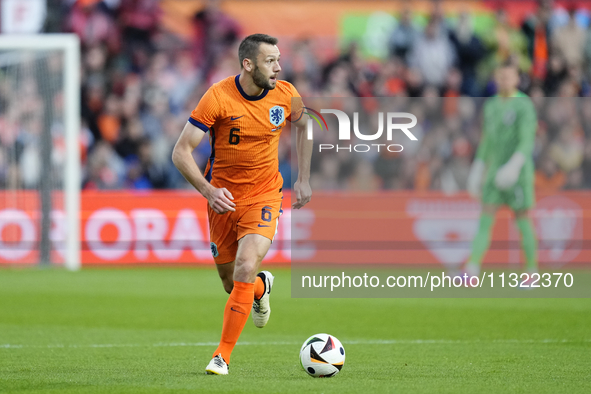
(444, 66)
(140, 83)
(448, 131)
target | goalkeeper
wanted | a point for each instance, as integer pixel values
(503, 169)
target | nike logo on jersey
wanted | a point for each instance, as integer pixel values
(235, 118)
(234, 310)
(263, 225)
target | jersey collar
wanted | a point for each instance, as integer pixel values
(246, 96)
(517, 93)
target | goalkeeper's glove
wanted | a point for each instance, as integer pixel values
(508, 174)
(474, 183)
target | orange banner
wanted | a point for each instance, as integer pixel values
(165, 227)
(433, 228)
(119, 227)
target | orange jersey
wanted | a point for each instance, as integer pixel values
(244, 137)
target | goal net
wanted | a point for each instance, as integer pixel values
(39, 150)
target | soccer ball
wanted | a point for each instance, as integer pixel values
(322, 356)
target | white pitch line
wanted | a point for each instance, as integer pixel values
(286, 343)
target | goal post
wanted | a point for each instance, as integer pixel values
(69, 46)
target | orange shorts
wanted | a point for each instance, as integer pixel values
(226, 230)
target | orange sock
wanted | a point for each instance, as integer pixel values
(235, 315)
(259, 288)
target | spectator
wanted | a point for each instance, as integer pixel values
(455, 174)
(569, 41)
(453, 87)
(549, 178)
(93, 97)
(152, 174)
(574, 179)
(140, 22)
(108, 121)
(505, 43)
(364, 178)
(403, 36)
(303, 62)
(587, 54)
(567, 151)
(586, 165)
(128, 144)
(92, 25)
(215, 33)
(422, 177)
(388, 165)
(155, 111)
(432, 55)
(327, 177)
(105, 168)
(470, 52)
(186, 81)
(390, 79)
(414, 82)
(538, 33)
(586, 116)
(338, 83)
(556, 75)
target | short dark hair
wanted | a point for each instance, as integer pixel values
(249, 47)
(508, 63)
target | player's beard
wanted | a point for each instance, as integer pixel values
(260, 80)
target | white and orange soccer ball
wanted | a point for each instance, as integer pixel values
(322, 356)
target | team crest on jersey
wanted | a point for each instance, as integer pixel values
(214, 250)
(509, 117)
(276, 115)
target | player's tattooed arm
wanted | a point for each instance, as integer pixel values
(304, 148)
(220, 200)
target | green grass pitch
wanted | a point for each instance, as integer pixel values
(153, 330)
